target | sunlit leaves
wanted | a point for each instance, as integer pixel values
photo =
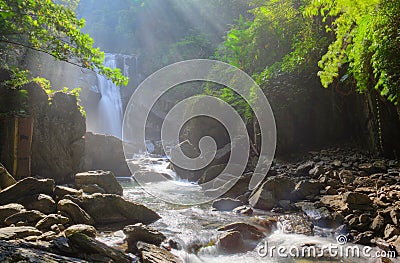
(367, 40)
(54, 29)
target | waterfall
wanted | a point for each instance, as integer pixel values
(109, 112)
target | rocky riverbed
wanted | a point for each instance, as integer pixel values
(312, 200)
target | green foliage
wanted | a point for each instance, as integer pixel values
(13, 97)
(367, 42)
(232, 98)
(52, 28)
(193, 46)
(361, 37)
(277, 38)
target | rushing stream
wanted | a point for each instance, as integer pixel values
(198, 224)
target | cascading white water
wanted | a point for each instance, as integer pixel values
(109, 109)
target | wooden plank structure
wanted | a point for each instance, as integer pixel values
(17, 141)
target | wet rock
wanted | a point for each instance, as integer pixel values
(10, 233)
(295, 224)
(320, 216)
(226, 204)
(48, 236)
(9, 210)
(92, 189)
(317, 171)
(337, 163)
(269, 193)
(93, 250)
(90, 231)
(152, 254)
(231, 241)
(150, 176)
(140, 232)
(346, 176)
(41, 202)
(335, 202)
(246, 230)
(24, 217)
(306, 189)
(74, 212)
(6, 178)
(371, 168)
(10, 252)
(50, 220)
(391, 231)
(107, 209)
(26, 187)
(211, 172)
(396, 244)
(364, 238)
(305, 168)
(105, 152)
(365, 218)
(378, 223)
(330, 190)
(267, 225)
(243, 210)
(191, 151)
(382, 244)
(357, 201)
(61, 191)
(395, 216)
(105, 179)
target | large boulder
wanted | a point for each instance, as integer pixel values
(9, 210)
(95, 251)
(11, 252)
(40, 202)
(105, 152)
(105, 179)
(357, 201)
(46, 223)
(296, 224)
(25, 217)
(320, 215)
(307, 189)
(140, 232)
(6, 178)
(10, 233)
(226, 204)
(270, 192)
(231, 242)
(61, 191)
(57, 144)
(153, 254)
(26, 187)
(80, 228)
(246, 230)
(113, 209)
(74, 212)
(58, 127)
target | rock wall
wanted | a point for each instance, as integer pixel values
(57, 146)
(105, 152)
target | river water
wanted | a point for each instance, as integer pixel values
(198, 225)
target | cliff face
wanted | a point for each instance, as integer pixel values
(58, 146)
